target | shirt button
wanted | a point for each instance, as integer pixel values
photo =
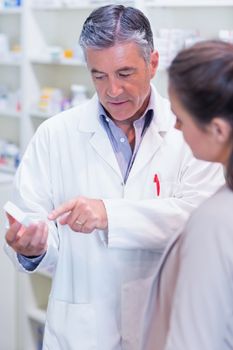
(122, 139)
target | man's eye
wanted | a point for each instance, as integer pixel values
(98, 76)
(124, 75)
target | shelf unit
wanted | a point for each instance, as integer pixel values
(208, 16)
(188, 3)
(33, 295)
(9, 62)
(8, 276)
(11, 71)
(9, 113)
(13, 10)
(62, 61)
(34, 28)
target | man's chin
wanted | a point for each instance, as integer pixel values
(118, 115)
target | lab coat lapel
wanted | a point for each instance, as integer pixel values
(103, 147)
(150, 144)
(162, 121)
(99, 140)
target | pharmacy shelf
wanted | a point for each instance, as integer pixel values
(11, 66)
(62, 61)
(64, 7)
(11, 62)
(7, 169)
(8, 276)
(5, 177)
(181, 3)
(85, 5)
(40, 114)
(11, 11)
(10, 114)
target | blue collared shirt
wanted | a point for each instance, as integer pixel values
(125, 155)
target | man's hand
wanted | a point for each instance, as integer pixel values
(82, 214)
(28, 241)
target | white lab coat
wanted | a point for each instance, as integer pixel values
(100, 294)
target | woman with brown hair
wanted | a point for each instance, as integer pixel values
(195, 280)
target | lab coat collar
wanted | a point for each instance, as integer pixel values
(162, 121)
(89, 120)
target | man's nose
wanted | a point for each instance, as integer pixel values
(114, 88)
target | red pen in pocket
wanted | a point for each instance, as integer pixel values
(157, 184)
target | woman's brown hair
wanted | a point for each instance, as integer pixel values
(202, 77)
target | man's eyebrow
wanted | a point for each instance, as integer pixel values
(126, 68)
(93, 70)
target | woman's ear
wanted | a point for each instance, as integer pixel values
(220, 129)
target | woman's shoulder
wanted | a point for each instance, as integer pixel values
(208, 234)
(215, 204)
(214, 214)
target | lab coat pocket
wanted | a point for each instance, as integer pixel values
(70, 326)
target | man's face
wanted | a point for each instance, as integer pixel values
(122, 79)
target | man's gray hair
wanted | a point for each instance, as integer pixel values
(113, 24)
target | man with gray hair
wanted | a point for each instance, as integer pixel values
(107, 184)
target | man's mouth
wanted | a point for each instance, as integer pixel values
(117, 103)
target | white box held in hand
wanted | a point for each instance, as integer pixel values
(17, 214)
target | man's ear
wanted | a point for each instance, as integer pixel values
(220, 129)
(154, 61)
